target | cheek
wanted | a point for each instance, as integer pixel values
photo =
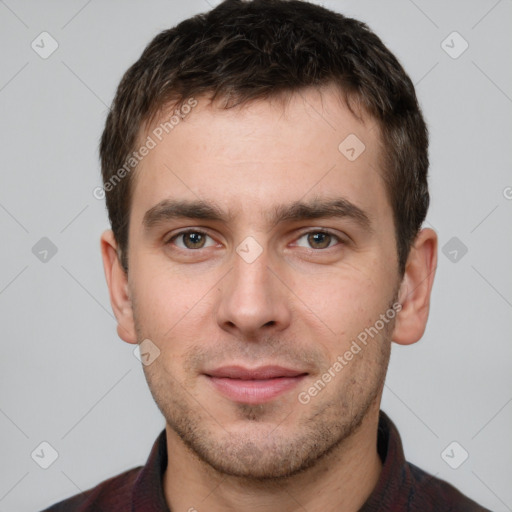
(164, 303)
(347, 299)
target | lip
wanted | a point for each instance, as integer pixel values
(254, 385)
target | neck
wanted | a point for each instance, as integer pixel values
(341, 481)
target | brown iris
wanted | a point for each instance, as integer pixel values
(193, 240)
(319, 240)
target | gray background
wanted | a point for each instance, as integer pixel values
(65, 377)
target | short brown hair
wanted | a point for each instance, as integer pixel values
(259, 49)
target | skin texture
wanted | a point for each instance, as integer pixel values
(299, 304)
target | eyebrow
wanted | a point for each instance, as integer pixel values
(169, 209)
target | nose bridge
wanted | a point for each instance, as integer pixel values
(250, 282)
(251, 297)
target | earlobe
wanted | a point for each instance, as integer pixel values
(117, 282)
(415, 289)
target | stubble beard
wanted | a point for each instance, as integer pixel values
(270, 450)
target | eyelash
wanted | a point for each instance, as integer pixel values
(305, 233)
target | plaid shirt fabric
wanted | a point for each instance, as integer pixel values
(402, 487)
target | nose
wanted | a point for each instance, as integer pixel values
(253, 299)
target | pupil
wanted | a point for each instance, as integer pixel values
(194, 238)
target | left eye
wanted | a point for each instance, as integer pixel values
(191, 240)
(318, 240)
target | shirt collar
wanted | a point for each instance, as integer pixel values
(148, 491)
(395, 473)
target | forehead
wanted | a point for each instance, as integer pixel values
(262, 154)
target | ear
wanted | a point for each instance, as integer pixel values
(117, 281)
(415, 289)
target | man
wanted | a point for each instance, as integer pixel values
(265, 170)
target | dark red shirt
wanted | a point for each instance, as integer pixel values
(401, 487)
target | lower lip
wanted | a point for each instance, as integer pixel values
(254, 391)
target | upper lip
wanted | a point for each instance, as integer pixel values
(260, 373)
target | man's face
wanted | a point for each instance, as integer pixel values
(251, 308)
